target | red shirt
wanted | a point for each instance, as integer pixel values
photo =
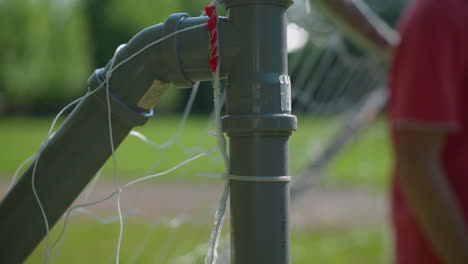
(429, 88)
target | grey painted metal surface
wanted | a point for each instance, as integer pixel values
(259, 123)
(73, 156)
(81, 145)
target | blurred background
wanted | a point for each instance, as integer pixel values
(48, 49)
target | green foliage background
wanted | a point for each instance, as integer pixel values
(50, 47)
(44, 53)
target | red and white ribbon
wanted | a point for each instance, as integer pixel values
(212, 25)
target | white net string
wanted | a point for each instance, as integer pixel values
(332, 66)
(212, 254)
(117, 192)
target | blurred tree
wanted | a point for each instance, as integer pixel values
(50, 47)
(114, 22)
(45, 53)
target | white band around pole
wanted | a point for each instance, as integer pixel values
(259, 178)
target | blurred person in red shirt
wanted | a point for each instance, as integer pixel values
(428, 113)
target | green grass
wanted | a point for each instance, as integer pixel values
(90, 242)
(365, 162)
(351, 246)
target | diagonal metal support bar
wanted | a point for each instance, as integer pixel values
(141, 71)
(258, 122)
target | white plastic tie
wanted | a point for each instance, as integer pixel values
(259, 178)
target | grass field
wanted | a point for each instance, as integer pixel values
(364, 163)
(88, 242)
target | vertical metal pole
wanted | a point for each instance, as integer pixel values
(259, 123)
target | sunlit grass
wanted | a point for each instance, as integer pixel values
(365, 162)
(90, 242)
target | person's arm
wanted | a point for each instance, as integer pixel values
(422, 180)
